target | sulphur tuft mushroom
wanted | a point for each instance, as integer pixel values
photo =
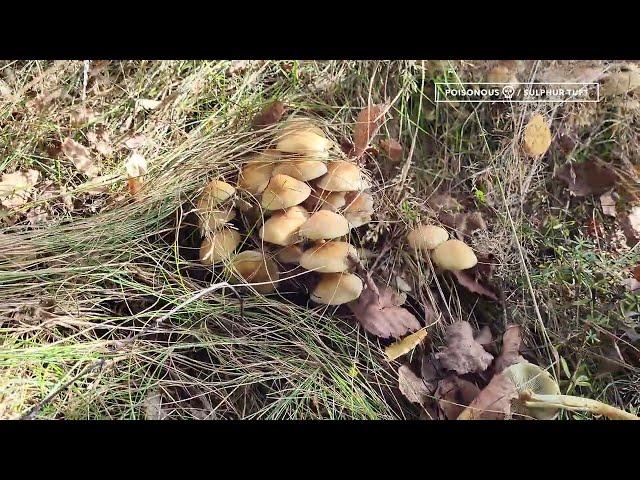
(254, 267)
(537, 136)
(359, 208)
(219, 246)
(303, 170)
(215, 220)
(343, 176)
(337, 288)
(454, 255)
(427, 237)
(290, 254)
(283, 192)
(303, 137)
(282, 228)
(256, 173)
(324, 200)
(328, 257)
(324, 224)
(215, 192)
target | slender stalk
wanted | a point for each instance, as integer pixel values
(569, 402)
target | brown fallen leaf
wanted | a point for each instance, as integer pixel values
(270, 115)
(588, 178)
(444, 202)
(412, 386)
(468, 282)
(463, 354)
(80, 156)
(392, 148)
(379, 311)
(493, 402)
(153, 408)
(464, 224)
(631, 284)
(431, 371)
(454, 394)
(510, 353)
(81, 115)
(537, 136)
(619, 83)
(485, 336)
(636, 272)
(369, 120)
(135, 142)
(15, 188)
(100, 140)
(405, 345)
(634, 220)
(608, 204)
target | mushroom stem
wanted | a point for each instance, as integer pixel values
(569, 402)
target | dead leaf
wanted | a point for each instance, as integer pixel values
(153, 406)
(147, 103)
(369, 120)
(405, 345)
(135, 142)
(100, 140)
(454, 394)
(15, 187)
(80, 156)
(493, 402)
(97, 185)
(464, 224)
(238, 66)
(431, 371)
(270, 115)
(378, 310)
(5, 91)
(588, 178)
(631, 284)
(445, 202)
(463, 354)
(619, 83)
(43, 101)
(634, 220)
(467, 281)
(537, 136)
(484, 337)
(510, 353)
(608, 204)
(636, 272)
(412, 386)
(81, 116)
(36, 215)
(136, 166)
(392, 148)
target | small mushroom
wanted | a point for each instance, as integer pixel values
(303, 137)
(290, 254)
(282, 228)
(256, 173)
(303, 170)
(343, 176)
(254, 267)
(324, 224)
(215, 193)
(427, 237)
(337, 288)
(215, 220)
(219, 246)
(324, 200)
(359, 209)
(283, 192)
(328, 257)
(454, 255)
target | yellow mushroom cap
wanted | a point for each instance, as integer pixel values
(359, 208)
(254, 267)
(427, 237)
(215, 192)
(219, 246)
(537, 136)
(343, 176)
(454, 255)
(290, 254)
(328, 257)
(527, 376)
(282, 228)
(337, 288)
(324, 200)
(284, 191)
(302, 136)
(324, 224)
(215, 220)
(255, 175)
(302, 170)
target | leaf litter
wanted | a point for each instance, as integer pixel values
(15, 188)
(80, 156)
(462, 353)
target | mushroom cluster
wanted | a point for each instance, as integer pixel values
(301, 202)
(447, 254)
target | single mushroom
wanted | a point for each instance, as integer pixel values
(324, 225)
(303, 137)
(343, 176)
(282, 228)
(215, 220)
(427, 237)
(256, 173)
(324, 200)
(290, 254)
(303, 170)
(215, 192)
(328, 257)
(283, 192)
(254, 267)
(337, 288)
(219, 246)
(359, 208)
(454, 255)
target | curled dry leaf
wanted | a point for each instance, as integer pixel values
(454, 394)
(510, 353)
(15, 187)
(412, 386)
(608, 204)
(468, 282)
(80, 156)
(405, 345)
(270, 115)
(379, 311)
(537, 136)
(463, 354)
(493, 402)
(588, 178)
(392, 148)
(136, 167)
(369, 120)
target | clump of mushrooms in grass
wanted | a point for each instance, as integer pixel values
(445, 253)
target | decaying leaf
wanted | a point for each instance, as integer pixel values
(444, 202)
(412, 386)
(379, 311)
(463, 354)
(588, 178)
(464, 224)
(270, 115)
(619, 83)
(135, 142)
(431, 371)
(631, 284)
(97, 185)
(81, 115)
(510, 353)
(369, 120)
(405, 345)
(136, 166)
(468, 282)
(493, 402)
(608, 204)
(454, 394)
(537, 136)
(80, 156)
(392, 148)
(15, 187)
(634, 220)
(484, 337)
(148, 104)
(153, 406)
(100, 140)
